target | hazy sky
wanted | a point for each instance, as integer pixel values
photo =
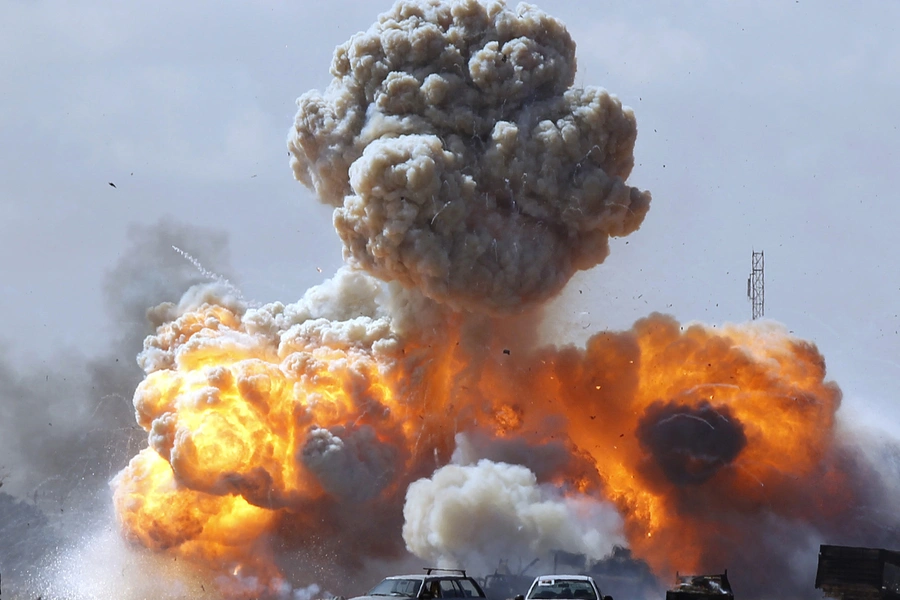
(762, 125)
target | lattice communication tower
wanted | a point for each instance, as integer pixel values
(756, 284)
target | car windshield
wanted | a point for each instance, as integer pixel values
(562, 588)
(397, 587)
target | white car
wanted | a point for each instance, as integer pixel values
(551, 587)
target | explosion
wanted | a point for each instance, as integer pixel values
(404, 405)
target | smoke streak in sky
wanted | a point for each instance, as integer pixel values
(404, 406)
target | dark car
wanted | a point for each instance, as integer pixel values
(434, 583)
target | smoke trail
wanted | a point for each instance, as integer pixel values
(212, 276)
(459, 159)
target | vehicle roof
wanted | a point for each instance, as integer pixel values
(430, 576)
(564, 576)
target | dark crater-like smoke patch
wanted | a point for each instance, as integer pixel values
(690, 443)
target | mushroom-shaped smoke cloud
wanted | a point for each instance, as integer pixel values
(460, 160)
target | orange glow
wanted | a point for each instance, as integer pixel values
(230, 424)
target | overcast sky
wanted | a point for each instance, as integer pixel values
(762, 125)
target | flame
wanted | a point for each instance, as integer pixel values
(772, 384)
(238, 416)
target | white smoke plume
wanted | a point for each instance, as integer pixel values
(489, 512)
(460, 160)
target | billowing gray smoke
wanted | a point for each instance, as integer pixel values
(546, 459)
(690, 443)
(350, 465)
(459, 159)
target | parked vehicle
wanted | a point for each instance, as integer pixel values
(551, 587)
(434, 583)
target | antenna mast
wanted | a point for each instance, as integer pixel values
(756, 284)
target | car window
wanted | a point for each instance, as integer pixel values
(449, 589)
(469, 589)
(396, 587)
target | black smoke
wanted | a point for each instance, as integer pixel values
(690, 444)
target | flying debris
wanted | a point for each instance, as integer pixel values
(112, 184)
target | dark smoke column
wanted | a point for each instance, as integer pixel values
(459, 159)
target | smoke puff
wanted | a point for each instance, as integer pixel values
(690, 443)
(459, 160)
(479, 514)
(546, 459)
(350, 465)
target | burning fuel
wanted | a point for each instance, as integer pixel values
(321, 425)
(404, 406)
